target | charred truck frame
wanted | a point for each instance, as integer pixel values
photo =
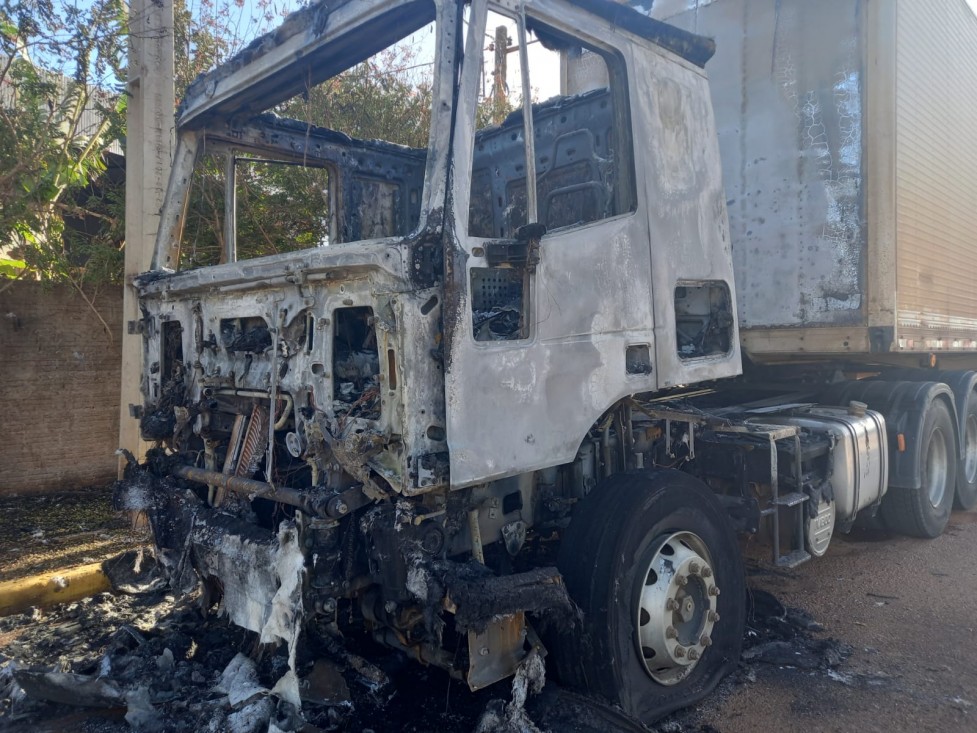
(480, 416)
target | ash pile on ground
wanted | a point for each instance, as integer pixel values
(781, 636)
(779, 640)
(151, 662)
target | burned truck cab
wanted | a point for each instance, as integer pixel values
(326, 324)
(380, 375)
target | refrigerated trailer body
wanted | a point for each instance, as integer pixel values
(847, 130)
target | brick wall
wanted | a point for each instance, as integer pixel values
(59, 388)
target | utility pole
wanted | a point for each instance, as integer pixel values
(499, 87)
(149, 150)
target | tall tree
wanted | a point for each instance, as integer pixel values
(58, 114)
(62, 111)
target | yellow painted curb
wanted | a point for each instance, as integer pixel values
(52, 587)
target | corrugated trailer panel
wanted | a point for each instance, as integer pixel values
(787, 85)
(936, 174)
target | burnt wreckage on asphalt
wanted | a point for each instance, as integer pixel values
(442, 423)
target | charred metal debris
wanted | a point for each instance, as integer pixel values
(145, 660)
(275, 559)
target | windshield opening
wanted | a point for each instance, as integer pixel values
(343, 160)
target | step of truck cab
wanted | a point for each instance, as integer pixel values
(783, 502)
(792, 499)
(793, 559)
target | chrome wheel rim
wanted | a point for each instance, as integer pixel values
(676, 610)
(970, 452)
(936, 468)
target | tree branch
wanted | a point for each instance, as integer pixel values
(94, 309)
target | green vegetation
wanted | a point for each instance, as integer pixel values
(55, 127)
(62, 137)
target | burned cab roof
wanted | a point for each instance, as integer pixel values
(303, 51)
(691, 47)
(311, 45)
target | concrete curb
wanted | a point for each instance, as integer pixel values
(52, 587)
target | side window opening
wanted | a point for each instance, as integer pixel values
(703, 319)
(576, 169)
(581, 147)
(204, 225)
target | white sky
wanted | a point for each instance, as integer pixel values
(544, 78)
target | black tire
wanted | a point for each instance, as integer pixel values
(966, 494)
(606, 552)
(924, 512)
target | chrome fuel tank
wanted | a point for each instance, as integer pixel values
(860, 456)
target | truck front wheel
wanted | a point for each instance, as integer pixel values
(654, 565)
(924, 512)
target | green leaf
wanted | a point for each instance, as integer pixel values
(10, 267)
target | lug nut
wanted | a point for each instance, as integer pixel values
(705, 640)
(713, 590)
(713, 616)
(694, 568)
(671, 605)
(682, 580)
(707, 572)
(680, 651)
(693, 654)
(671, 633)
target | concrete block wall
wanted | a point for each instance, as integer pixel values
(59, 388)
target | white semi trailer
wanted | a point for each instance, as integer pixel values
(489, 396)
(845, 131)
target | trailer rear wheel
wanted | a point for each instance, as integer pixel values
(653, 563)
(924, 512)
(966, 495)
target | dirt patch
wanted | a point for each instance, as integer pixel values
(905, 607)
(40, 533)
